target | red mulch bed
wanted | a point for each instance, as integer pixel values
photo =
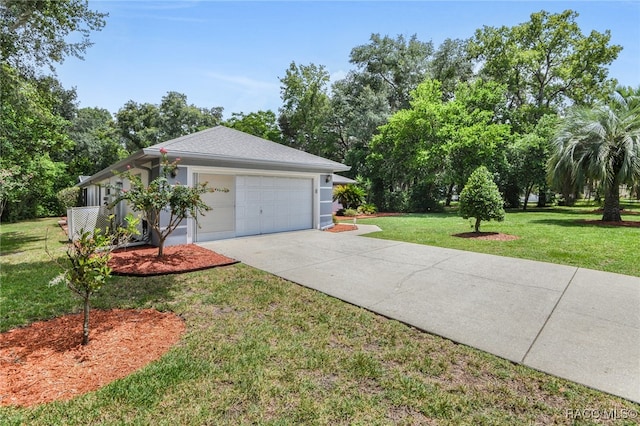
(341, 227)
(493, 236)
(45, 361)
(143, 261)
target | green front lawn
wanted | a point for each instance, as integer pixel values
(262, 350)
(554, 235)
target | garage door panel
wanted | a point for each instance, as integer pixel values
(283, 204)
(220, 221)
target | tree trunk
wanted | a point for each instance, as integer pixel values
(542, 197)
(477, 226)
(611, 210)
(527, 193)
(85, 325)
(449, 195)
(161, 248)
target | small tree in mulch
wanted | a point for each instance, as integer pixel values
(179, 201)
(481, 198)
(86, 267)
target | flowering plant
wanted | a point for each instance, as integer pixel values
(178, 201)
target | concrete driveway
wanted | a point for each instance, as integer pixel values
(575, 323)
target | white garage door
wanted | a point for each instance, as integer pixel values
(266, 204)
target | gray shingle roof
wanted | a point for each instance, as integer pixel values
(224, 147)
(233, 146)
(342, 180)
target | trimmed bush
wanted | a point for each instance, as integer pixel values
(350, 212)
(481, 198)
(68, 197)
(367, 209)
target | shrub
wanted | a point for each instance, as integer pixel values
(68, 197)
(350, 196)
(350, 212)
(423, 197)
(367, 209)
(394, 201)
(481, 199)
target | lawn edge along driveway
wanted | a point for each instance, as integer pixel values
(575, 323)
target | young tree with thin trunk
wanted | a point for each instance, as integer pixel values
(161, 195)
(86, 265)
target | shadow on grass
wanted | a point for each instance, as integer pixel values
(554, 210)
(582, 223)
(28, 297)
(15, 242)
(567, 223)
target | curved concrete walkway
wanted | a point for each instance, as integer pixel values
(575, 323)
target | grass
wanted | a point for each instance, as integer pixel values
(555, 235)
(262, 350)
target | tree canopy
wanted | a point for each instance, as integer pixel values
(36, 33)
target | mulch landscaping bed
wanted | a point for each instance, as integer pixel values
(45, 361)
(493, 236)
(341, 227)
(143, 261)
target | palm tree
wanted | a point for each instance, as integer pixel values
(600, 143)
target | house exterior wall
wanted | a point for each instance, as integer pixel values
(98, 195)
(326, 200)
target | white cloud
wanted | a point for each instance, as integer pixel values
(245, 83)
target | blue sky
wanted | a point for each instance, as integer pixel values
(231, 53)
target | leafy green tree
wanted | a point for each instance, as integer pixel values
(436, 141)
(355, 114)
(393, 66)
(139, 125)
(451, 65)
(470, 133)
(546, 62)
(35, 108)
(178, 118)
(163, 195)
(600, 143)
(305, 108)
(13, 185)
(86, 266)
(96, 142)
(262, 124)
(528, 157)
(31, 135)
(37, 33)
(143, 125)
(406, 148)
(481, 199)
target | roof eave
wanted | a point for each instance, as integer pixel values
(109, 171)
(326, 167)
